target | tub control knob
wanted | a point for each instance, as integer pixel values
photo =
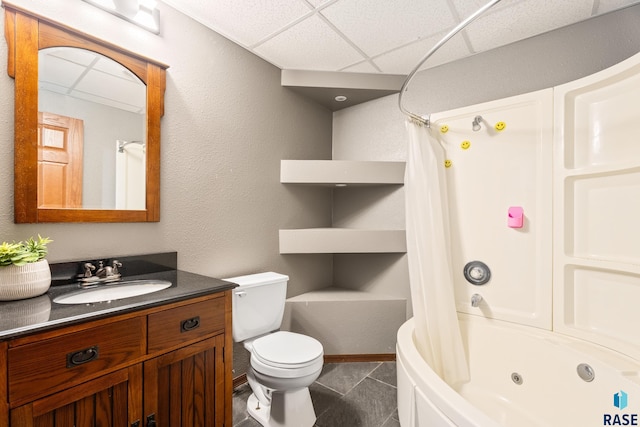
(477, 273)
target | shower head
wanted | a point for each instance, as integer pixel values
(475, 124)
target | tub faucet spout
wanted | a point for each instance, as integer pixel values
(475, 300)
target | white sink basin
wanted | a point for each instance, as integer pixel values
(118, 290)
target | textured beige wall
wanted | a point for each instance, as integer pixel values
(227, 124)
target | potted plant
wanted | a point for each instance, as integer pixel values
(24, 271)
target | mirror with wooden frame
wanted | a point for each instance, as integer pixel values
(87, 125)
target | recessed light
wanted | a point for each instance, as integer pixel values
(340, 98)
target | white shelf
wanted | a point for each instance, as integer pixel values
(336, 172)
(602, 170)
(342, 240)
(622, 266)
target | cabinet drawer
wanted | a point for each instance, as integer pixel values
(49, 365)
(182, 324)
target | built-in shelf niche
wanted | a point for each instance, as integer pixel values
(341, 240)
(367, 321)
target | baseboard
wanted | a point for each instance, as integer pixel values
(337, 358)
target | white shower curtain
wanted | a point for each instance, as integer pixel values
(437, 332)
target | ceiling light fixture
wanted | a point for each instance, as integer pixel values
(143, 13)
(340, 98)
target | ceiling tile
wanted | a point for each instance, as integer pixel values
(403, 60)
(108, 86)
(245, 22)
(318, 3)
(71, 54)
(605, 6)
(361, 67)
(60, 72)
(109, 66)
(379, 26)
(525, 19)
(465, 8)
(123, 104)
(309, 45)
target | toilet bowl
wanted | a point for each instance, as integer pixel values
(282, 364)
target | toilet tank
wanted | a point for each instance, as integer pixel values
(258, 304)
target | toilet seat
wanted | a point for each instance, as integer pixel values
(286, 355)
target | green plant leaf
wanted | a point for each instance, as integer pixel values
(24, 252)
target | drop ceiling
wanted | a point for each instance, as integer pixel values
(91, 77)
(380, 37)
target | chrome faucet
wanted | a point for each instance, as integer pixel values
(475, 300)
(88, 268)
(102, 273)
(114, 266)
(106, 271)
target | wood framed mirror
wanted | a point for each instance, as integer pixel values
(49, 190)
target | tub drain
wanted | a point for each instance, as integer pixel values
(516, 378)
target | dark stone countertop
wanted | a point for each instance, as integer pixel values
(40, 313)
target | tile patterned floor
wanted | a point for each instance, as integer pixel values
(361, 394)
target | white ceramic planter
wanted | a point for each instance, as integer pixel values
(25, 281)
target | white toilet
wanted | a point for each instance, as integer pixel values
(283, 364)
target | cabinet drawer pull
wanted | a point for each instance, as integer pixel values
(81, 357)
(190, 324)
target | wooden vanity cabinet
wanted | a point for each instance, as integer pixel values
(179, 393)
(111, 400)
(163, 366)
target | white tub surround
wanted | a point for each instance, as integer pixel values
(596, 173)
(551, 337)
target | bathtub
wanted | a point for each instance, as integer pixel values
(521, 376)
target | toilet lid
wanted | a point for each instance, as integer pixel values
(287, 349)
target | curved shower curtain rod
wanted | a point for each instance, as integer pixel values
(460, 26)
(122, 144)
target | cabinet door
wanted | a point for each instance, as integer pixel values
(186, 388)
(113, 400)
